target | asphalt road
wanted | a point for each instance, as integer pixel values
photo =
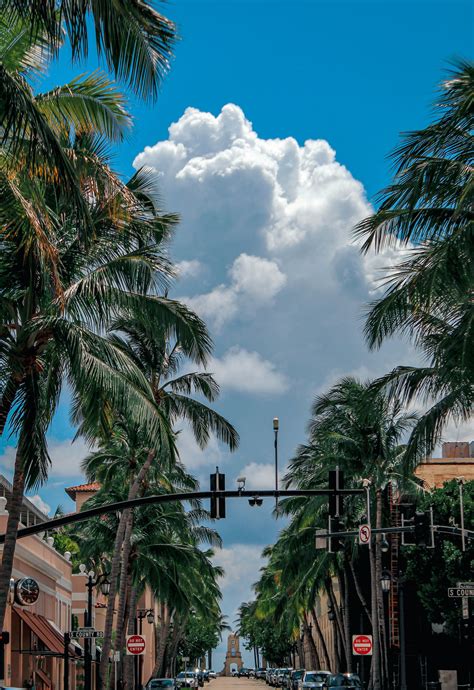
(224, 683)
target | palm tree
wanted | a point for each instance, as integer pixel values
(429, 295)
(61, 284)
(158, 353)
(134, 39)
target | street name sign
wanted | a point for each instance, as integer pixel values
(364, 534)
(462, 590)
(83, 633)
(136, 644)
(362, 645)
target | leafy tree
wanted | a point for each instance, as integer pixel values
(434, 570)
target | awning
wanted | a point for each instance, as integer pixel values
(42, 628)
(46, 679)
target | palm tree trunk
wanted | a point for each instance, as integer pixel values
(14, 513)
(346, 616)
(322, 642)
(358, 589)
(130, 660)
(114, 571)
(313, 652)
(337, 612)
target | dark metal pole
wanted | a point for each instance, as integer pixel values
(66, 662)
(135, 660)
(403, 661)
(87, 641)
(276, 425)
(140, 658)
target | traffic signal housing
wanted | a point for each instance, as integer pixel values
(336, 501)
(335, 544)
(4, 637)
(422, 525)
(217, 502)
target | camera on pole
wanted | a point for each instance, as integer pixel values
(217, 502)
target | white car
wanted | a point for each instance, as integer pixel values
(313, 680)
(212, 674)
(187, 679)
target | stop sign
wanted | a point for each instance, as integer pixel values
(136, 644)
(362, 645)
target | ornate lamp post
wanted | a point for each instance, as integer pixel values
(103, 582)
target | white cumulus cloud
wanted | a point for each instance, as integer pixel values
(66, 457)
(254, 281)
(188, 269)
(40, 504)
(247, 372)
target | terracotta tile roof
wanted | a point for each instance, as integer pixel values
(86, 488)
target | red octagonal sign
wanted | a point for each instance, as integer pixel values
(136, 644)
(362, 645)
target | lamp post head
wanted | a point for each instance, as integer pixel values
(385, 580)
(276, 423)
(150, 616)
(105, 586)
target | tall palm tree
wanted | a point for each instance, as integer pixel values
(61, 284)
(158, 353)
(429, 294)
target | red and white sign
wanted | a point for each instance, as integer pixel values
(136, 644)
(362, 645)
(364, 534)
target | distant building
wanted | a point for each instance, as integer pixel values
(457, 460)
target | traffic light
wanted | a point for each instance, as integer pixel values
(217, 502)
(422, 529)
(335, 543)
(4, 637)
(336, 502)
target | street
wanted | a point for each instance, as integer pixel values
(227, 683)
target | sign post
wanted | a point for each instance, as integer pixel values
(136, 645)
(362, 645)
(365, 534)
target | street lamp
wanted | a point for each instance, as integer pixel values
(331, 614)
(386, 580)
(103, 582)
(384, 545)
(150, 617)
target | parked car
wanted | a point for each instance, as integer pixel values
(295, 677)
(160, 683)
(244, 673)
(285, 677)
(234, 673)
(260, 673)
(274, 676)
(268, 674)
(314, 679)
(212, 674)
(343, 681)
(186, 679)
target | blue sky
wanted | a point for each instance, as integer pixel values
(264, 243)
